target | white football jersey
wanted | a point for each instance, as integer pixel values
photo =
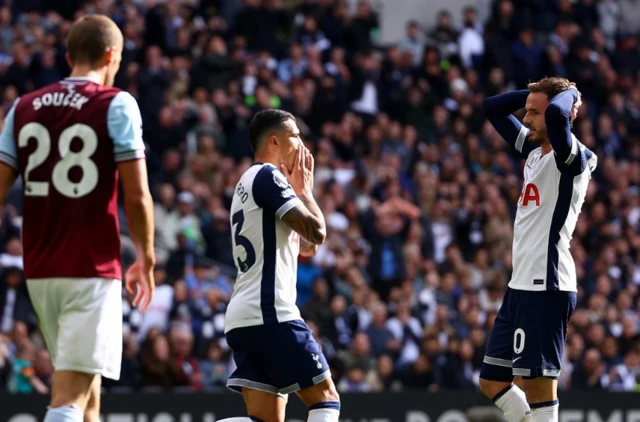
(265, 250)
(548, 210)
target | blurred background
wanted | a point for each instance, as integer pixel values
(418, 189)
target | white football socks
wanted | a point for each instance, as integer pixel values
(513, 402)
(545, 412)
(64, 414)
(324, 412)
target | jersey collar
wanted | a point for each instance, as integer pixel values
(81, 79)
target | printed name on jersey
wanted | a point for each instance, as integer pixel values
(283, 183)
(242, 193)
(60, 99)
(530, 193)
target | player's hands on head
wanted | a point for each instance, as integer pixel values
(139, 281)
(301, 175)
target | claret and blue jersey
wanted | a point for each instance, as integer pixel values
(65, 140)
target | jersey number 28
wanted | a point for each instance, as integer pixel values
(238, 221)
(69, 159)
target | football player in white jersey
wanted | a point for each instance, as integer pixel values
(274, 218)
(529, 334)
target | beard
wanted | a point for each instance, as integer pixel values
(539, 138)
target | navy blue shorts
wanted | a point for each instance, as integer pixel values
(277, 358)
(529, 335)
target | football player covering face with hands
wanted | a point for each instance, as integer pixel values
(274, 218)
(301, 175)
(301, 179)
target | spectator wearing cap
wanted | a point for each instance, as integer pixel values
(184, 221)
(413, 42)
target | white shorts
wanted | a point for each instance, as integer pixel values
(81, 320)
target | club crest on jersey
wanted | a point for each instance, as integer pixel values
(530, 193)
(317, 359)
(282, 183)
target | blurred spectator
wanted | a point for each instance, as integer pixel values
(23, 378)
(15, 305)
(157, 368)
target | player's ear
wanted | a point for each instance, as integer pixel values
(273, 141)
(109, 56)
(69, 61)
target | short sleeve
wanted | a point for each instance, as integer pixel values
(272, 191)
(125, 127)
(8, 153)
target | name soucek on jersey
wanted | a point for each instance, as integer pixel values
(66, 140)
(265, 250)
(547, 214)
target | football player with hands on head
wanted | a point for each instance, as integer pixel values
(530, 331)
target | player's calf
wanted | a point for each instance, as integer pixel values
(542, 395)
(263, 406)
(322, 400)
(69, 395)
(508, 397)
(92, 410)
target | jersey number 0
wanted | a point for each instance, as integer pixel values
(68, 160)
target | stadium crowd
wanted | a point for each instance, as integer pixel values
(418, 190)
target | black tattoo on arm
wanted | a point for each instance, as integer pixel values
(307, 220)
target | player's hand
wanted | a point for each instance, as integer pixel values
(578, 103)
(301, 175)
(139, 281)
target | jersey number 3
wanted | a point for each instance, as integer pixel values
(68, 160)
(238, 221)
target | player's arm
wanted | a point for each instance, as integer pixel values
(272, 191)
(139, 208)
(8, 154)
(125, 129)
(557, 117)
(307, 220)
(499, 109)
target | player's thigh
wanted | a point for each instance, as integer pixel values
(496, 372)
(293, 359)
(46, 303)
(250, 361)
(90, 327)
(267, 407)
(92, 411)
(540, 333)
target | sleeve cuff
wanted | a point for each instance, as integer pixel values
(8, 160)
(287, 206)
(522, 135)
(129, 155)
